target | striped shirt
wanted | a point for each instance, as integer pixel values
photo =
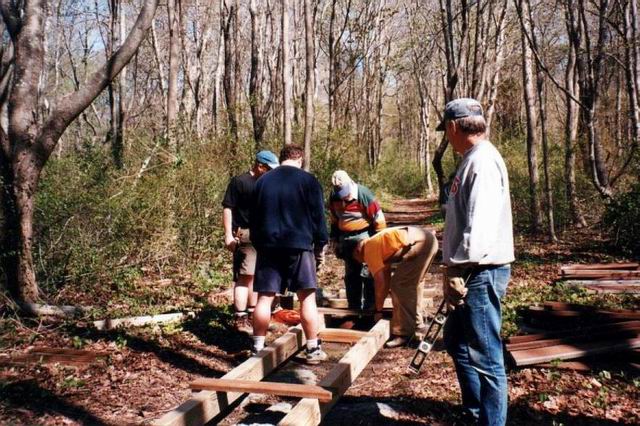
(357, 215)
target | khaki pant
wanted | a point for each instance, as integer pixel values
(406, 282)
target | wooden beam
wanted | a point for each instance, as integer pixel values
(596, 266)
(602, 282)
(578, 350)
(341, 335)
(602, 273)
(206, 405)
(110, 324)
(310, 411)
(583, 331)
(270, 388)
(610, 334)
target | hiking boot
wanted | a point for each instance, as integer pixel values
(314, 356)
(242, 324)
(396, 342)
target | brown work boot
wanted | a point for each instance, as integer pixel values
(243, 324)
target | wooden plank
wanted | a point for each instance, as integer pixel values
(602, 282)
(562, 352)
(542, 314)
(603, 273)
(592, 266)
(270, 388)
(584, 331)
(110, 324)
(206, 405)
(560, 306)
(310, 411)
(613, 289)
(612, 333)
(341, 335)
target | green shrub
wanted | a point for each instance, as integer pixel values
(622, 218)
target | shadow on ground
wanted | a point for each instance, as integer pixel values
(27, 395)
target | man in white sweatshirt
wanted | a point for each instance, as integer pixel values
(477, 249)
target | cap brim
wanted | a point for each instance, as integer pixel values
(345, 191)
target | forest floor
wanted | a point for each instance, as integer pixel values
(147, 370)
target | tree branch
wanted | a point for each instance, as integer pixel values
(71, 105)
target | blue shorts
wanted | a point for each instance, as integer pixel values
(279, 270)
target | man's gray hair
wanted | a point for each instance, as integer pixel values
(472, 125)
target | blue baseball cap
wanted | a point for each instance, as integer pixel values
(267, 158)
(459, 108)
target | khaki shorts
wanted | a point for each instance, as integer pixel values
(244, 261)
(244, 258)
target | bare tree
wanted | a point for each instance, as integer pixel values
(32, 137)
(259, 105)
(310, 83)
(229, 18)
(533, 138)
(173, 12)
(287, 108)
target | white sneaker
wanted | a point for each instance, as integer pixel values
(314, 356)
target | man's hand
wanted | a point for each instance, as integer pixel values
(453, 286)
(333, 246)
(318, 253)
(231, 243)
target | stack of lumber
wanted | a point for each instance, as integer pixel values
(574, 332)
(603, 277)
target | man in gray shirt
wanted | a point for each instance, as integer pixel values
(477, 249)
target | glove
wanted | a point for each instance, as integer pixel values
(318, 253)
(453, 286)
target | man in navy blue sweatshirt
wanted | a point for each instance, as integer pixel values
(289, 232)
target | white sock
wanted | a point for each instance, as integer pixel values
(312, 344)
(258, 343)
(240, 314)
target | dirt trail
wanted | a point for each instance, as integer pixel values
(148, 369)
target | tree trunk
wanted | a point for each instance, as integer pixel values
(571, 125)
(255, 82)
(118, 146)
(19, 183)
(533, 140)
(310, 84)
(287, 88)
(30, 142)
(174, 65)
(228, 80)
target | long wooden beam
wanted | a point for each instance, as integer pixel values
(341, 335)
(271, 388)
(578, 350)
(576, 332)
(310, 411)
(206, 405)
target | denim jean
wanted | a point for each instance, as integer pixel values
(472, 338)
(358, 288)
